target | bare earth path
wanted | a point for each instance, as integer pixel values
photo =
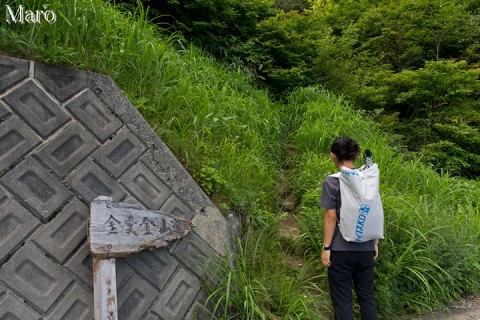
(466, 309)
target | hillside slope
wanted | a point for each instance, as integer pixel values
(246, 151)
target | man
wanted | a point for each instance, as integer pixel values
(347, 262)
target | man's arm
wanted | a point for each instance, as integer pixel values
(329, 224)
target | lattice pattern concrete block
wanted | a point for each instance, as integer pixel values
(120, 153)
(12, 71)
(67, 149)
(35, 277)
(65, 232)
(60, 82)
(194, 252)
(81, 264)
(36, 187)
(94, 115)
(16, 224)
(199, 312)
(151, 316)
(146, 186)
(90, 181)
(3, 110)
(135, 298)
(36, 108)
(16, 140)
(3, 195)
(131, 200)
(176, 207)
(156, 266)
(77, 305)
(123, 273)
(177, 297)
(12, 308)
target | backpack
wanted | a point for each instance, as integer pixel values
(361, 217)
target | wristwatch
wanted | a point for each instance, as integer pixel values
(327, 248)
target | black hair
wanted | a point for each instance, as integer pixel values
(345, 149)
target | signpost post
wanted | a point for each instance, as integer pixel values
(118, 230)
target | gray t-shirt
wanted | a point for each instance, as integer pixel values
(331, 200)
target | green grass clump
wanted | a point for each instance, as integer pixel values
(260, 285)
(239, 145)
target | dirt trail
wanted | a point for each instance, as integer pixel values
(466, 309)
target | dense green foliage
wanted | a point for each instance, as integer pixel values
(216, 25)
(413, 64)
(403, 61)
(242, 147)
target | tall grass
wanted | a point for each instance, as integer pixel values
(237, 142)
(260, 285)
(432, 247)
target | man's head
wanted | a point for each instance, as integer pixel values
(345, 149)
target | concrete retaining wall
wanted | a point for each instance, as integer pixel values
(67, 136)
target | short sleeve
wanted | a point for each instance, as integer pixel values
(330, 193)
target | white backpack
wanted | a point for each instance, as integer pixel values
(361, 217)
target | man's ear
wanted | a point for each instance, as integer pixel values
(334, 157)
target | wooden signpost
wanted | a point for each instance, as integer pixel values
(118, 230)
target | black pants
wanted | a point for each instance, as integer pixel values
(349, 267)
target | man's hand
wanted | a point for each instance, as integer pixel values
(326, 258)
(376, 250)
